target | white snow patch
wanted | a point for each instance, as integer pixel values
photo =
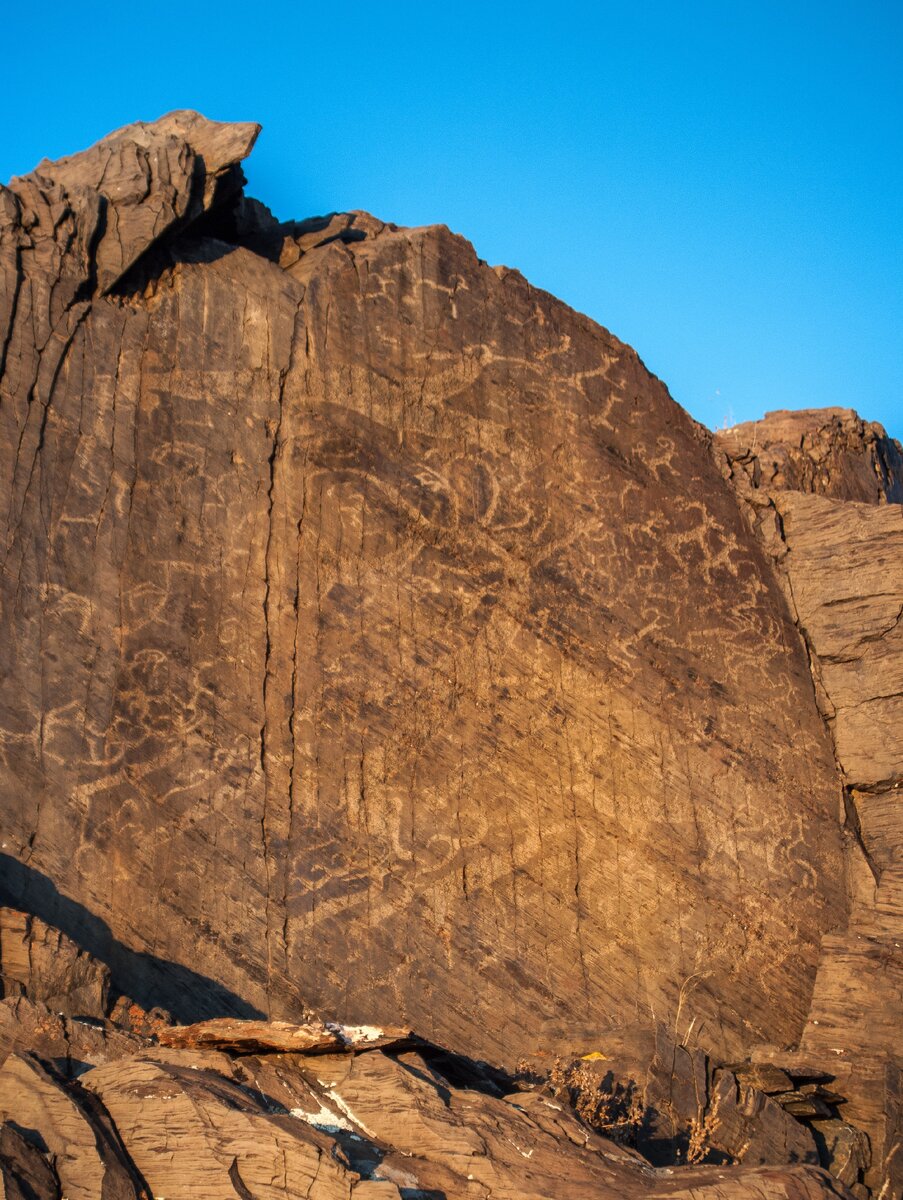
(353, 1034)
(325, 1119)
(337, 1099)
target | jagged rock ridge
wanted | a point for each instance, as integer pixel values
(828, 452)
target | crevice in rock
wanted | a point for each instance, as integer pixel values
(13, 309)
(87, 289)
(854, 825)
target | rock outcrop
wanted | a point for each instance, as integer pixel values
(390, 665)
(841, 561)
(823, 451)
(381, 639)
(232, 1108)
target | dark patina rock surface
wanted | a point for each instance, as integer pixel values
(379, 636)
(384, 650)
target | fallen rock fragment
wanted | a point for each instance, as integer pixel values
(754, 1129)
(283, 1037)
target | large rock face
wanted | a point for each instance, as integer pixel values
(379, 636)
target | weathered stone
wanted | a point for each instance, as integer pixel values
(643, 1068)
(71, 1043)
(753, 1129)
(478, 1139)
(141, 184)
(196, 1133)
(846, 571)
(282, 1037)
(41, 963)
(402, 649)
(827, 451)
(841, 562)
(62, 1119)
(186, 1121)
(845, 1149)
(25, 1173)
(379, 639)
(765, 1077)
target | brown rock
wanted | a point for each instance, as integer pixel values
(282, 1037)
(642, 1070)
(72, 1043)
(195, 1121)
(826, 451)
(841, 560)
(489, 1146)
(846, 570)
(132, 1018)
(403, 654)
(65, 1121)
(845, 1148)
(41, 963)
(25, 1173)
(764, 1077)
(196, 1133)
(754, 1129)
(135, 187)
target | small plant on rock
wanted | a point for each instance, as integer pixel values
(617, 1113)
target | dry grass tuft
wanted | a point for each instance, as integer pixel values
(701, 1130)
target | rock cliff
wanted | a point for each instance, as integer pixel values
(382, 644)
(835, 531)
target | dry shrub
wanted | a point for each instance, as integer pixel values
(701, 1130)
(617, 1114)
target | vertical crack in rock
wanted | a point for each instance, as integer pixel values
(13, 306)
(267, 615)
(266, 752)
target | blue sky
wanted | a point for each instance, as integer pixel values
(720, 184)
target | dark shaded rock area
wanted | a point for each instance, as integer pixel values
(429, 761)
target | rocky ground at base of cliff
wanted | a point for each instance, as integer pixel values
(100, 1098)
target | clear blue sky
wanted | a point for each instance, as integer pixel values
(721, 184)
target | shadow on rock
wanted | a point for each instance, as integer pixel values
(149, 980)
